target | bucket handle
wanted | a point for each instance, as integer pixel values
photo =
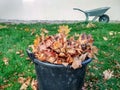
(87, 61)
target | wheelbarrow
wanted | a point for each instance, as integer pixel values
(98, 12)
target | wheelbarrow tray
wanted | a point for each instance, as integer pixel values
(97, 11)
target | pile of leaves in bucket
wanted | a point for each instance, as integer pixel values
(62, 48)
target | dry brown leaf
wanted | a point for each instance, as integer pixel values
(27, 58)
(43, 30)
(25, 84)
(19, 52)
(33, 31)
(21, 55)
(71, 51)
(1, 26)
(27, 29)
(107, 74)
(65, 64)
(57, 45)
(5, 60)
(90, 25)
(76, 63)
(21, 80)
(64, 29)
(37, 41)
(34, 84)
(51, 59)
(2, 87)
(83, 56)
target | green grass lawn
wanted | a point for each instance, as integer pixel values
(15, 39)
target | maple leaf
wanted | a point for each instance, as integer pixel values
(34, 84)
(41, 56)
(107, 74)
(76, 63)
(69, 59)
(64, 29)
(57, 45)
(71, 51)
(51, 59)
(48, 41)
(25, 84)
(83, 56)
(37, 41)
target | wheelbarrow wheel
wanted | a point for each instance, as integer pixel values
(104, 18)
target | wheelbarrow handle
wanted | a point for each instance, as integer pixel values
(79, 10)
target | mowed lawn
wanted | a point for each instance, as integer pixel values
(14, 63)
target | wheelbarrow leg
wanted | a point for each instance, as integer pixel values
(95, 18)
(87, 17)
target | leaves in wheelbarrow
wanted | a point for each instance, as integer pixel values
(62, 48)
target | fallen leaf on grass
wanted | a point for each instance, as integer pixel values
(2, 87)
(27, 58)
(105, 38)
(1, 26)
(91, 25)
(20, 52)
(33, 31)
(25, 84)
(27, 29)
(21, 80)
(5, 60)
(34, 84)
(64, 29)
(107, 74)
(111, 33)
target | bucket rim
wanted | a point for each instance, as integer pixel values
(36, 61)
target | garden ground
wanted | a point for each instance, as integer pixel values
(14, 63)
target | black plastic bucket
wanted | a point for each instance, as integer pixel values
(58, 77)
